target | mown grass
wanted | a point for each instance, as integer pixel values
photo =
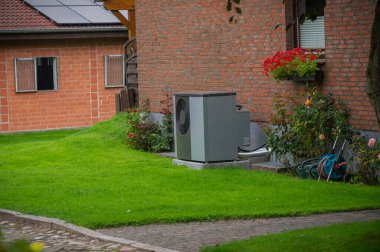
(91, 178)
(363, 236)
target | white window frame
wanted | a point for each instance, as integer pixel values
(106, 57)
(55, 74)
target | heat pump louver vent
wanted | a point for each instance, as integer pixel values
(182, 116)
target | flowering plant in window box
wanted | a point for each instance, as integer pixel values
(295, 64)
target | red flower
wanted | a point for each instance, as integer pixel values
(130, 135)
(134, 110)
(284, 64)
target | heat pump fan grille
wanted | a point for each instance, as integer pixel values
(182, 116)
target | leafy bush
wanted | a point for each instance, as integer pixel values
(295, 62)
(167, 121)
(20, 246)
(143, 134)
(307, 130)
(366, 159)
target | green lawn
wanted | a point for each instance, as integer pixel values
(364, 236)
(90, 178)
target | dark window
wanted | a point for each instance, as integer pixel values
(45, 73)
(315, 8)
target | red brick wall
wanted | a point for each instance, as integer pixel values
(81, 98)
(348, 34)
(189, 45)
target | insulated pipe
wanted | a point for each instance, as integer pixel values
(257, 153)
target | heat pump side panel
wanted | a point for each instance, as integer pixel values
(220, 133)
(243, 126)
(197, 129)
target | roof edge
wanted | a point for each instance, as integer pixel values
(63, 30)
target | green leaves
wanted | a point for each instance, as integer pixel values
(365, 159)
(306, 130)
(314, 9)
(229, 5)
(143, 134)
(295, 62)
(233, 5)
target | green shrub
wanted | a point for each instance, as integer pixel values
(365, 159)
(307, 130)
(20, 245)
(167, 121)
(143, 134)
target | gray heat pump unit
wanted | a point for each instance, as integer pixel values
(208, 127)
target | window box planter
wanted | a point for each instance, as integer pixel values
(317, 77)
(296, 61)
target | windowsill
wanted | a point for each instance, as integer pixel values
(115, 86)
(321, 61)
(322, 57)
(36, 91)
(47, 90)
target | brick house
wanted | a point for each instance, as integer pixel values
(187, 45)
(61, 64)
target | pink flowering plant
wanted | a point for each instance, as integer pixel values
(296, 62)
(366, 158)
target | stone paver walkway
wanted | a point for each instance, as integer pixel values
(58, 235)
(56, 239)
(190, 237)
(185, 237)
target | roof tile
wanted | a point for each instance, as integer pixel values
(16, 14)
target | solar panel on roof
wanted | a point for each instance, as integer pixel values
(94, 14)
(77, 2)
(74, 11)
(62, 15)
(43, 2)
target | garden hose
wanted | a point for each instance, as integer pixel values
(333, 165)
